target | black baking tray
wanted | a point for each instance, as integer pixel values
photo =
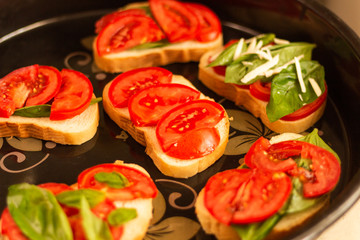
(58, 33)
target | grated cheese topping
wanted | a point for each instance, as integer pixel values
(299, 75)
(315, 86)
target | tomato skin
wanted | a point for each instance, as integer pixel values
(210, 26)
(127, 31)
(178, 21)
(47, 85)
(259, 156)
(9, 227)
(74, 96)
(15, 88)
(307, 109)
(181, 131)
(147, 106)
(56, 188)
(325, 168)
(128, 83)
(261, 90)
(242, 196)
(110, 17)
(141, 185)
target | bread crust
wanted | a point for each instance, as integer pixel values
(146, 136)
(242, 97)
(74, 131)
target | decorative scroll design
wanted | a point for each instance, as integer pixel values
(20, 157)
(85, 59)
(176, 195)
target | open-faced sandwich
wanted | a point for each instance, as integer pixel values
(272, 78)
(155, 33)
(42, 102)
(109, 201)
(282, 184)
(184, 131)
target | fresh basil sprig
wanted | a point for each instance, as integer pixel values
(120, 216)
(37, 213)
(41, 110)
(148, 45)
(72, 198)
(112, 179)
(286, 96)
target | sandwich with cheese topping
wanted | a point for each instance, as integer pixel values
(274, 79)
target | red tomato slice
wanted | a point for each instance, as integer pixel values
(47, 85)
(127, 31)
(15, 88)
(9, 228)
(108, 18)
(73, 97)
(188, 131)
(56, 188)
(307, 109)
(259, 156)
(178, 21)
(141, 186)
(261, 90)
(128, 83)
(325, 168)
(147, 106)
(242, 196)
(210, 26)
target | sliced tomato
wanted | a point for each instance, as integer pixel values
(127, 31)
(15, 88)
(9, 228)
(46, 86)
(325, 168)
(259, 156)
(128, 83)
(242, 196)
(221, 70)
(210, 26)
(147, 106)
(188, 131)
(140, 185)
(108, 18)
(56, 188)
(74, 96)
(307, 109)
(178, 21)
(261, 90)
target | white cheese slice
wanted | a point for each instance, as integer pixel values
(238, 49)
(299, 75)
(260, 70)
(315, 86)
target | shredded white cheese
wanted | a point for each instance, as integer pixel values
(280, 41)
(239, 48)
(299, 75)
(301, 97)
(252, 46)
(261, 69)
(279, 69)
(315, 86)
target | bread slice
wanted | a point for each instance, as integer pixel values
(173, 53)
(284, 227)
(74, 131)
(242, 97)
(146, 136)
(136, 228)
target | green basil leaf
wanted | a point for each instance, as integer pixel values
(72, 198)
(235, 72)
(161, 43)
(287, 52)
(95, 228)
(34, 111)
(112, 179)
(120, 216)
(226, 57)
(266, 38)
(42, 110)
(285, 89)
(315, 139)
(37, 213)
(297, 201)
(257, 231)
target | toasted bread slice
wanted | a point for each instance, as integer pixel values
(173, 53)
(73, 131)
(146, 136)
(242, 97)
